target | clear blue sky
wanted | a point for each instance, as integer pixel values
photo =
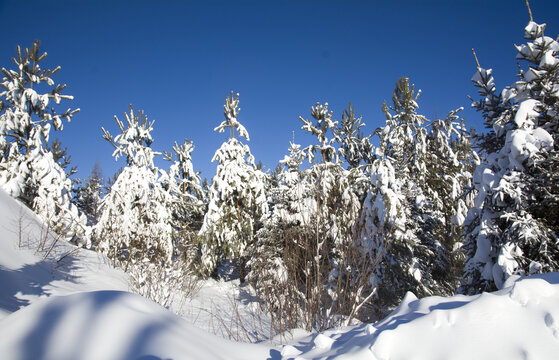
(179, 60)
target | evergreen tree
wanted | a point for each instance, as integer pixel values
(61, 156)
(353, 146)
(88, 195)
(383, 224)
(408, 254)
(412, 214)
(28, 170)
(335, 199)
(135, 216)
(308, 265)
(512, 230)
(237, 198)
(451, 161)
(269, 272)
(188, 205)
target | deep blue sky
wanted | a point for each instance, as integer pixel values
(179, 60)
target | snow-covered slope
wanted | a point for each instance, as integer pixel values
(57, 302)
(34, 263)
(111, 325)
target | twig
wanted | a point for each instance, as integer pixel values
(475, 57)
(71, 252)
(529, 10)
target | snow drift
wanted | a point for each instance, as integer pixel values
(111, 325)
(518, 322)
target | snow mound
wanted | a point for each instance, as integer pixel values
(110, 325)
(518, 322)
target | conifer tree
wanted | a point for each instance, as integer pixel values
(188, 205)
(135, 220)
(335, 199)
(28, 169)
(512, 229)
(308, 265)
(237, 198)
(409, 216)
(407, 253)
(88, 195)
(451, 161)
(274, 268)
(353, 146)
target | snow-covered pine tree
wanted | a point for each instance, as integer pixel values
(513, 228)
(28, 170)
(396, 201)
(237, 198)
(382, 223)
(338, 267)
(412, 200)
(308, 266)
(135, 216)
(450, 164)
(88, 194)
(353, 146)
(188, 207)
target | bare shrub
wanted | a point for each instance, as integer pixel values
(312, 271)
(161, 283)
(240, 317)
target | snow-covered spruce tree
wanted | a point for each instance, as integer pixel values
(237, 199)
(88, 194)
(409, 216)
(188, 207)
(28, 170)
(135, 216)
(513, 228)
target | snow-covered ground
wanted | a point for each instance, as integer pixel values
(63, 303)
(519, 322)
(35, 264)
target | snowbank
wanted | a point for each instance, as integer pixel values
(518, 322)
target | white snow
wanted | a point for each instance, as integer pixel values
(111, 325)
(526, 113)
(78, 308)
(26, 277)
(519, 322)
